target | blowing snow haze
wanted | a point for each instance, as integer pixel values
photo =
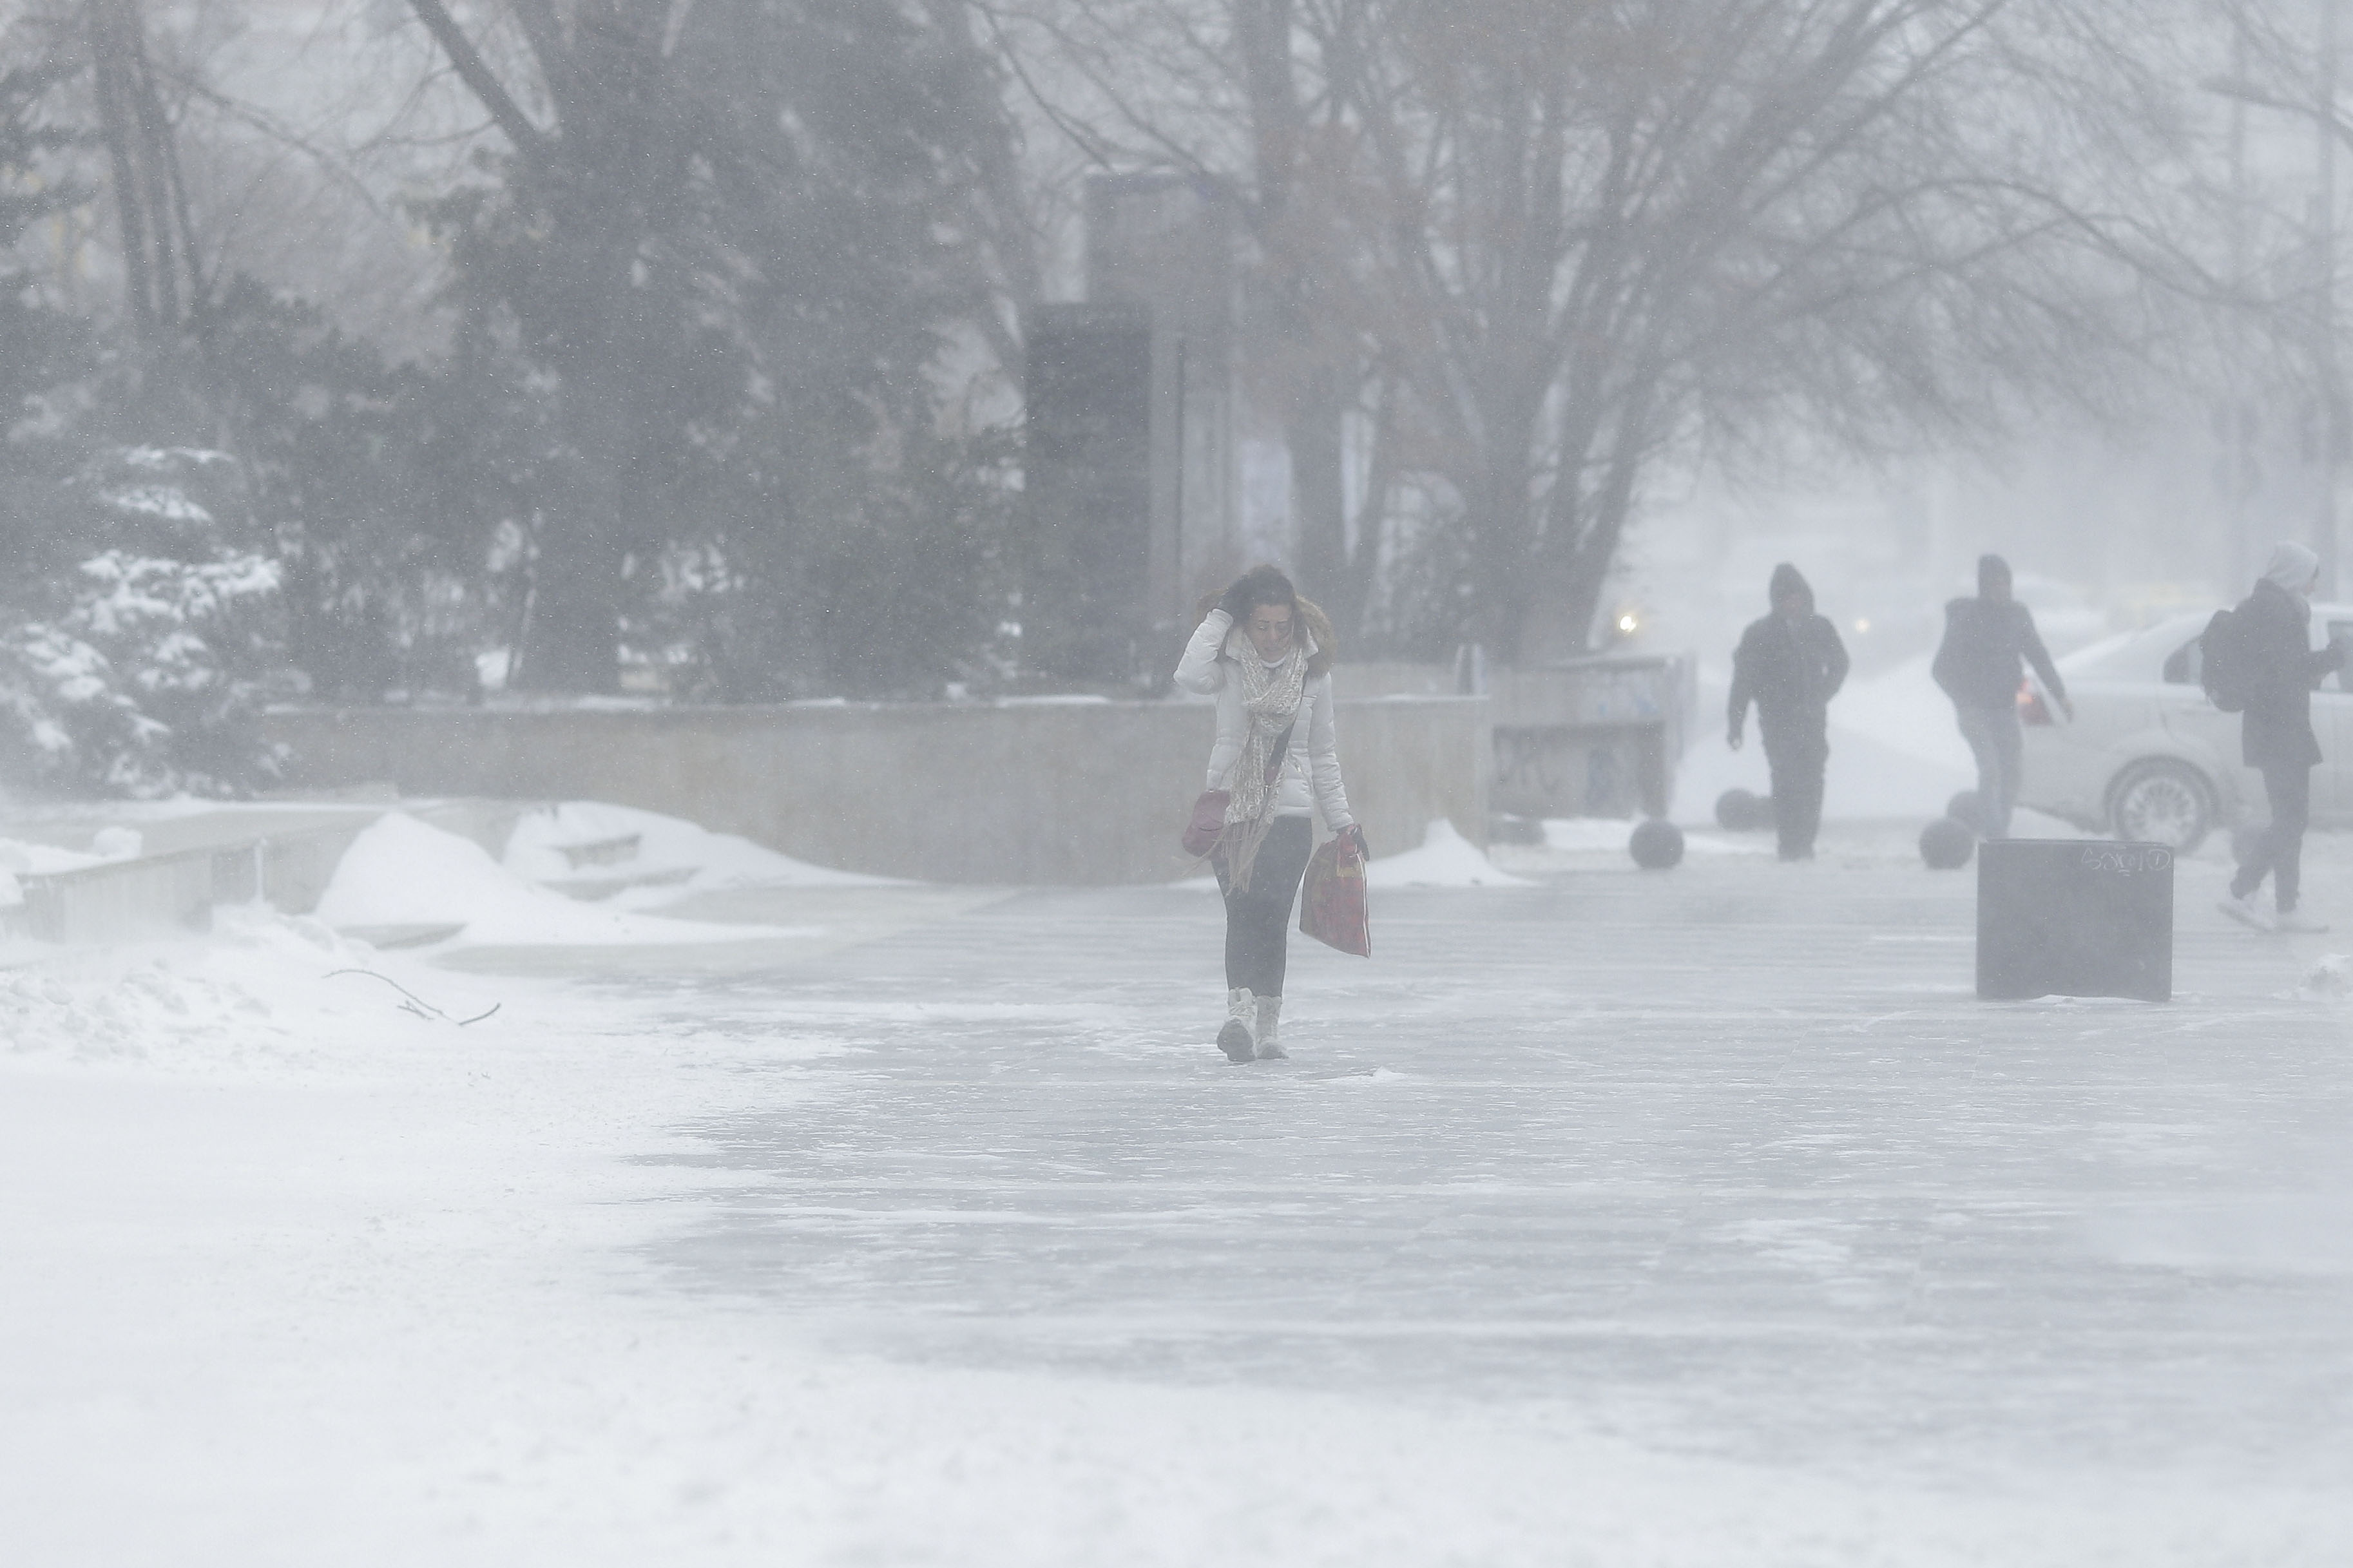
(1036, 781)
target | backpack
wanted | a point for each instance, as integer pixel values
(2224, 668)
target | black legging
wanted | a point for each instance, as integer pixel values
(1257, 919)
(2280, 850)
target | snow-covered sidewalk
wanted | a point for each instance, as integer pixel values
(1698, 1218)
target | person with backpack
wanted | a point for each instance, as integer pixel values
(2259, 658)
(1989, 640)
(1790, 664)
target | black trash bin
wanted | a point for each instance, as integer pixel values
(2075, 918)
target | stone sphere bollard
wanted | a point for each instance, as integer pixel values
(1946, 844)
(1657, 845)
(1963, 808)
(1742, 811)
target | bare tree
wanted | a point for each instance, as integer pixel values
(1566, 240)
(1238, 95)
(2283, 277)
(165, 287)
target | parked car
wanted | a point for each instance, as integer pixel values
(2149, 758)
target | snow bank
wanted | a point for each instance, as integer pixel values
(1577, 834)
(1904, 712)
(265, 994)
(1700, 842)
(403, 872)
(1587, 835)
(154, 1009)
(1895, 753)
(20, 858)
(534, 853)
(28, 860)
(1870, 782)
(1446, 859)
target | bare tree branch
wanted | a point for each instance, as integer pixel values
(483, 81)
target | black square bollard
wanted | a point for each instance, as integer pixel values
(2075, 918)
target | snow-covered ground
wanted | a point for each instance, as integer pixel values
(401, 871)
(706, 859)
(1694, 1218)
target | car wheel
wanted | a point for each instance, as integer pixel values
(2164, 802)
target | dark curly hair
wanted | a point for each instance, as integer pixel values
(1259, 585)
(1267, 585)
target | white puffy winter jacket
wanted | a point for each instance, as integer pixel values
(1311, 772)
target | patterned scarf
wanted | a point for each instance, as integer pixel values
(1270, 698)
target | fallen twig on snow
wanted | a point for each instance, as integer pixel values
(415, 1004)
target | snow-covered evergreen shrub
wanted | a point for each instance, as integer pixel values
(172, 502)
(65, 720)
(143, 674)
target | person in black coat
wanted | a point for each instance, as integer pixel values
(2275, 638)
(1790, 664)
(1989, 640)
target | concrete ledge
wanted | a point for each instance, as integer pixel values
(1589, 737)
(283, 860)
(151, 895)
(1023, 793)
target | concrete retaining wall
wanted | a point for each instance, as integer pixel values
(154, 894)
(284, 859)
(1048, 792)
(1593, 737)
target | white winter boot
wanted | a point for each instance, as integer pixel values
(1236, 1040)
(1270, 1030)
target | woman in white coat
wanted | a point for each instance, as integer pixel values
(1266, 655)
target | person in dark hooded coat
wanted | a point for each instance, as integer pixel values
(1790, 664)
(1988, 641)
(2275, 731)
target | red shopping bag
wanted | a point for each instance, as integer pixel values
(1332, 907)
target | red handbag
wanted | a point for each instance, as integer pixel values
(1333, 908)
(1207, 824)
